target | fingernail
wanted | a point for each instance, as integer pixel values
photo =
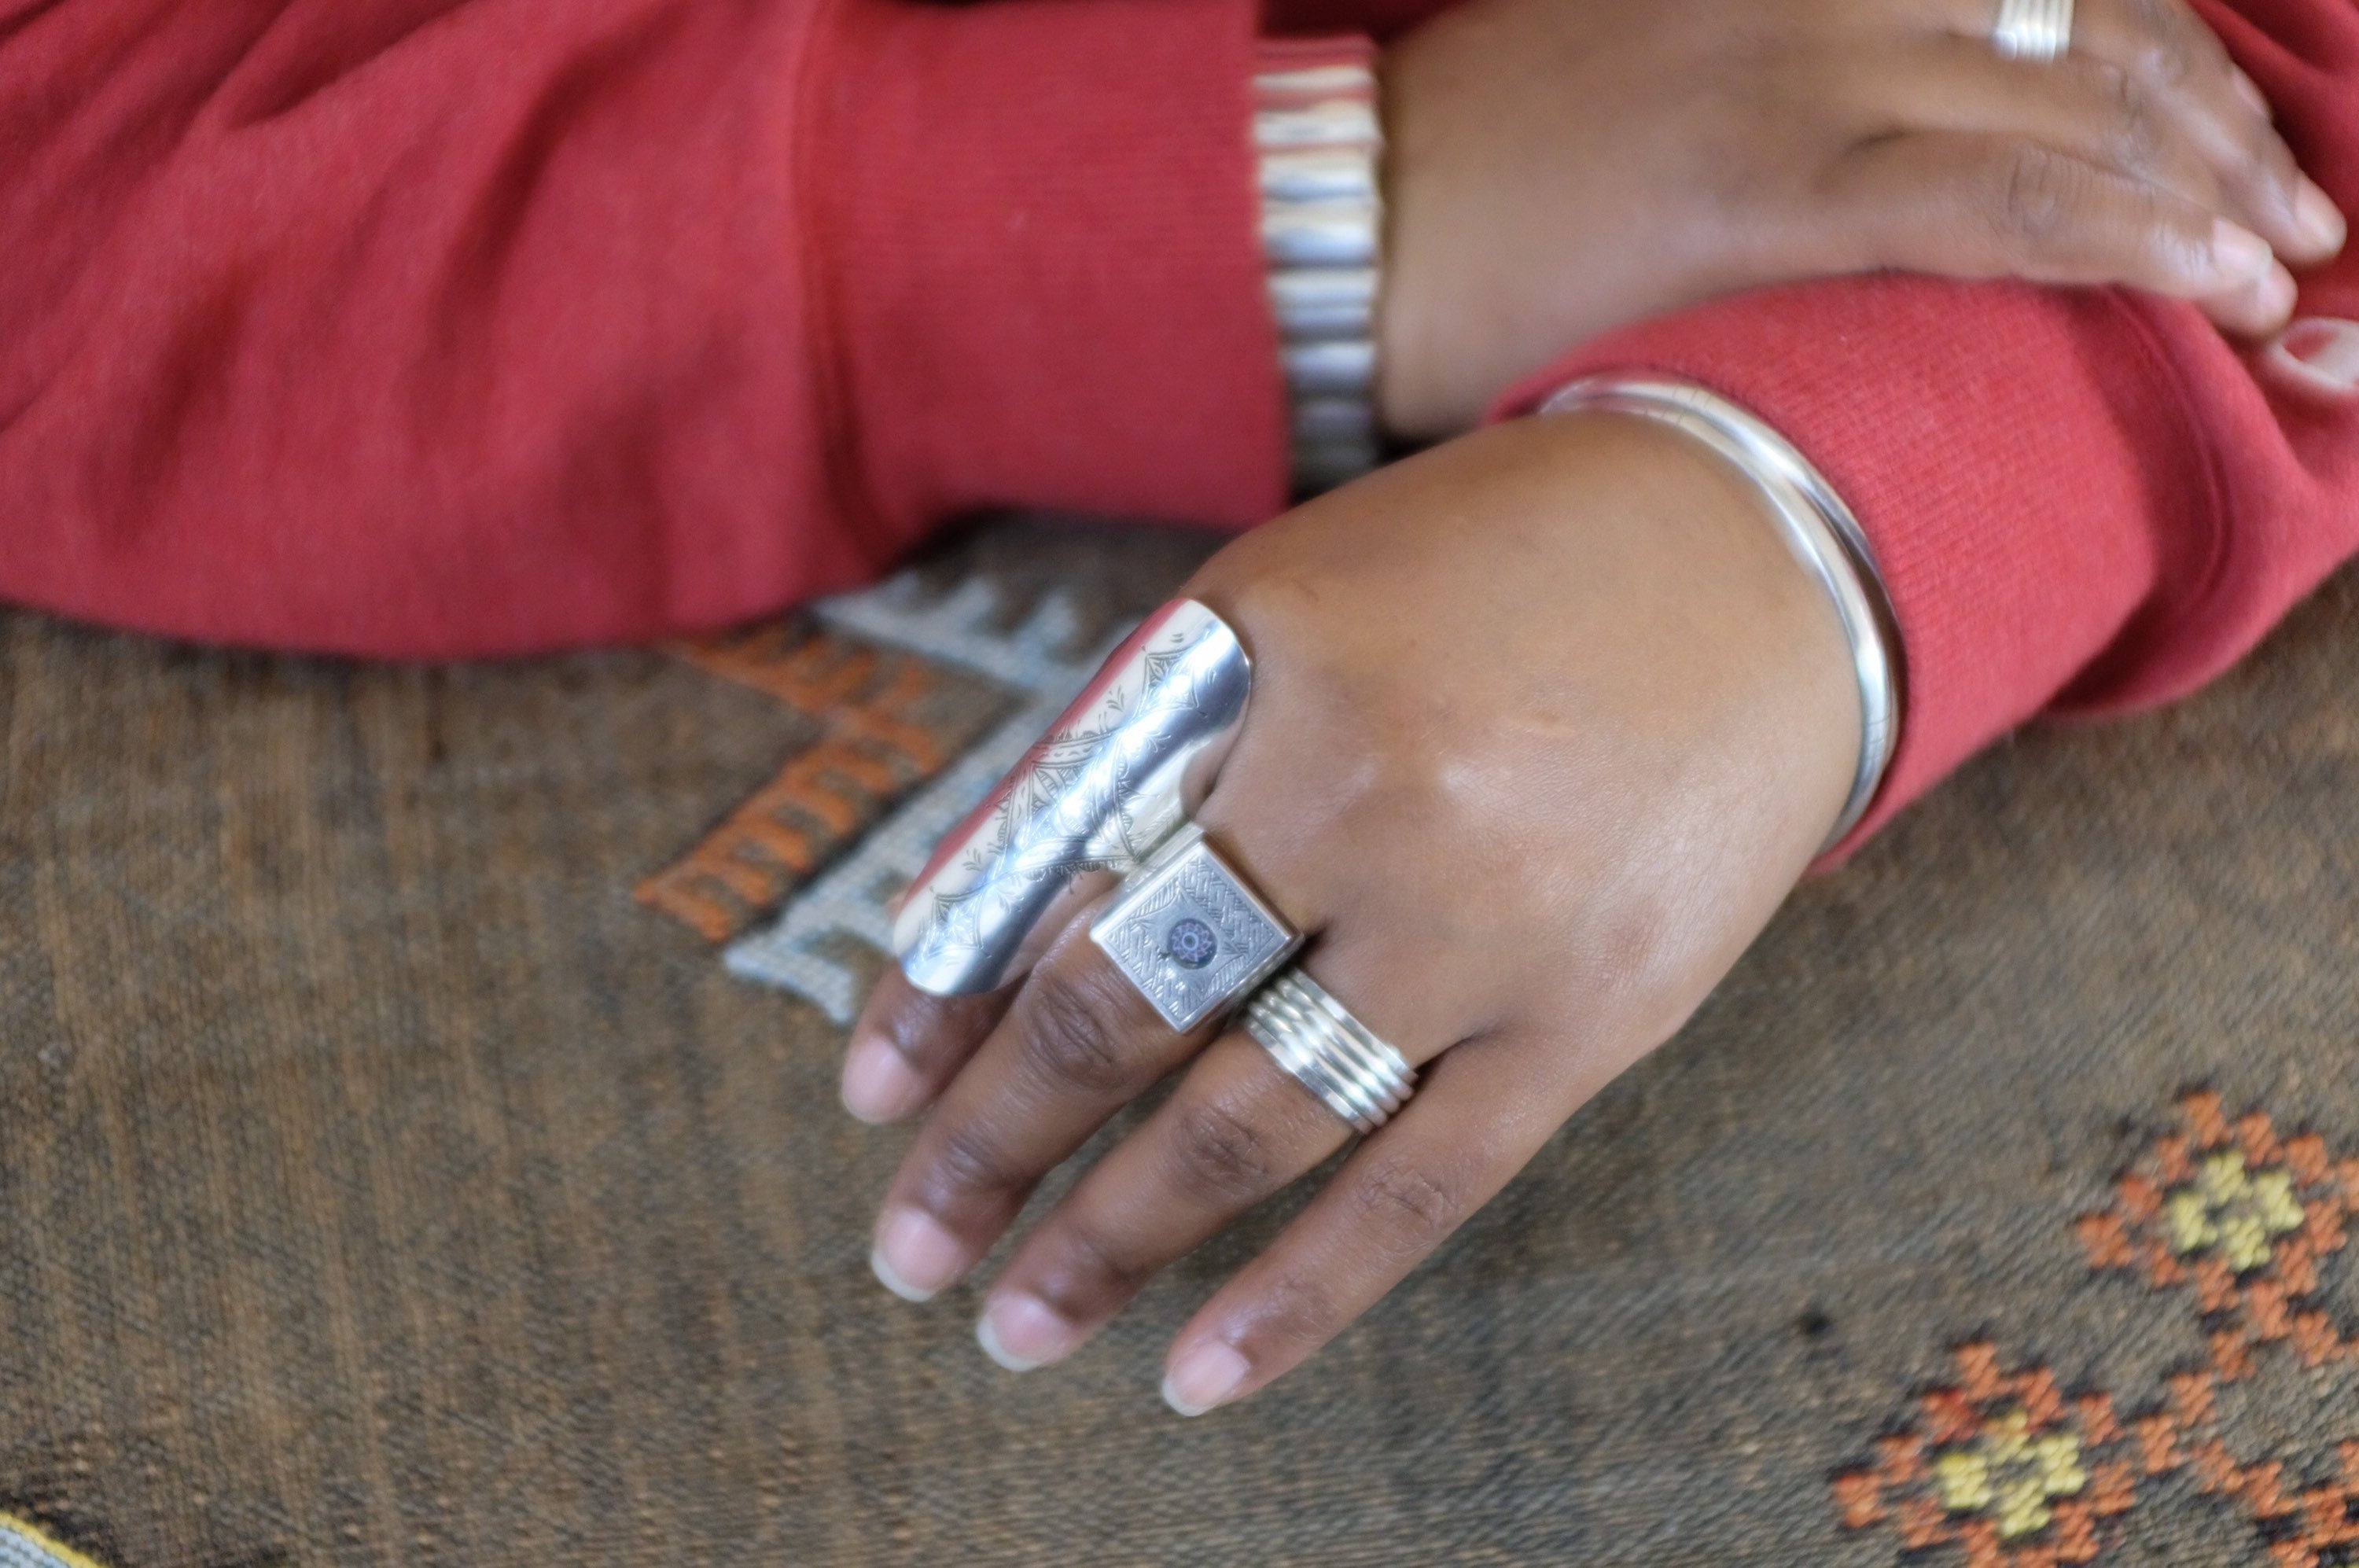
(2320, 221)
(2329, 347)
(1205, 1374)
(915, 1256)
(1021, 1333)
(878, 1084)
(2250, 92)
(2238, 255)
(2318, 354)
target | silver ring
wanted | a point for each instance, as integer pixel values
(1110, 783)
(1192, 933)
(2040, 31)
(1335, 1056)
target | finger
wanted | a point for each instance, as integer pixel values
(2257, 310)
(2316, 358)
(908, 1043)
(1484, 1110)
(1992, 206)
(1237, 1130)
(2091, 111)
(2166, 46)
(1078, 1042)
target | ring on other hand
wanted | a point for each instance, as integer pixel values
(2038, 30)
(1192, 933)
(1335, 1056)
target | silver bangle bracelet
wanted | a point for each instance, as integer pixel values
(1817, 526)
(1318, 140)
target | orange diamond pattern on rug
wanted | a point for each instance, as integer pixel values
(2002, 1465)
(2239, 1218)
(2224, 1215)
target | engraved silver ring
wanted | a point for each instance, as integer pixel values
(2040, 31)
(1107, 795)
(1192, 933)
(1105, 788)
(1194, 937)
(1109, 792)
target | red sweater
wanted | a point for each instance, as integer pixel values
(456, 327)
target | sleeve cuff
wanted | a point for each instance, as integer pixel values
(2012, 469)
(1036, 228)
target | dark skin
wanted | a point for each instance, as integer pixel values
(1559, 168)
(1546, 721)
(1529, 831)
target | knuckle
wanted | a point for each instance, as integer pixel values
(1409, 1208)
(2163, 62)
(969, 1162)
(1397, 786)
(1090, 1272)
(2136, 141)
(1072, 1032)
(2164, 48)
(1298, 1312)
(1217, 1155)
(2179, 244)
(1413, 790)
(2033, 202)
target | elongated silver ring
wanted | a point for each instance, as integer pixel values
(1105, 789)
(1335, 1056)
(2040, 31)
(1192, 933)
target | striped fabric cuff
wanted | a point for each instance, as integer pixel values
(1318, 142)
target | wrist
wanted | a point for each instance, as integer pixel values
(1412, 398)
(1818, 529)
(1593, 584)
(1755, 658)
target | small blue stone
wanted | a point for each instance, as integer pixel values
(1191, 943)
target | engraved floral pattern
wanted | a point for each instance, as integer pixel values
(1099, 793)
(1191, 888)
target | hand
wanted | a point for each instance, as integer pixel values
(1545, 725)
(1557, 168)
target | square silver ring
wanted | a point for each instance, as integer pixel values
(1192, 934)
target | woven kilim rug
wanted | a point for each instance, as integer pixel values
(418, 1143)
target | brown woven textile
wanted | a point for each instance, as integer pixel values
(381, 1182)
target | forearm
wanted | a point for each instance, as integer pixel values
(417, 329)
(2080, 500)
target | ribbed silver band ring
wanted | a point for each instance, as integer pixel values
(1329, 1052)
(2040, 31)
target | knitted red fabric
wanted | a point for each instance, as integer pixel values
(444, 327)
(2080, 500)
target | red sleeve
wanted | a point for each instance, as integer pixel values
(2080, 501)
(419, 327)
